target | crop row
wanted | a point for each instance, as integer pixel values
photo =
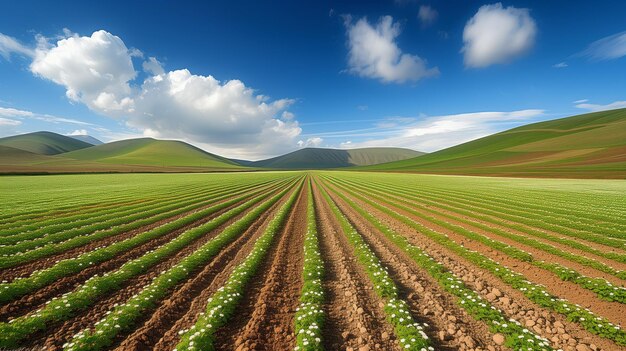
(602, 287)
(51, 249)
(125, 316)
(410, 334)
(221, 305)
(516, 336)
(309, 317)
(534, 292)
(62, 308)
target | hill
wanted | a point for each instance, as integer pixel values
(591, 145)
(87, 138)
(151, 152)
(44, 143)
(319, 158)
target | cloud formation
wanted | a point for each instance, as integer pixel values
(595, 107)
(98, 71)
(374, 53)
(427, 15)
(434, 133)
(608, 48)
(311, 142)
(10, 45)
(497, 35)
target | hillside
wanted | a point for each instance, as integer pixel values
(44, 143)
(87, 138)
(589, 145)
(151, 152)
(319, 158)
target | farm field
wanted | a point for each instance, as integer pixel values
(318, 260)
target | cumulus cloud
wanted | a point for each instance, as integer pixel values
(608, 48)
(427, 15)
(497, 35)
(311, 142)
(98, 71)
(434, 133)
(10, 45)
(374, 53)
(595, 107)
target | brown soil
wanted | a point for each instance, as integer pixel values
(180, 302)
(451, 327)
(271, 324)
(562, 333)
(355, 316)
(64, 331)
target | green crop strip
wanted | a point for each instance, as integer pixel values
(60, 309)
(104, 230)
(221, 306)
(309, 317)
(534, 292)
(602, 287)
(22, 286)
(517, 337)
(125, 316)
(410, 334)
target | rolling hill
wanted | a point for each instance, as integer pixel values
(590, 145)
(44, 143)
(151, 152)
(320, 158)
(87, 138)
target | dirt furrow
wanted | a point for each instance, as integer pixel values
(271, 325)
(46, 262)
(537, 253)
(65, 284)
(64, 331)
(170, 337)
(355, 318)
(561, 332)
(451, 327)
(184, 299)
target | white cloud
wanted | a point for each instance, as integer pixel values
(10, 45)
(581, 101)
(560, 65)
(438, 132)
(374, 53)
(427, 15)
(311, 142)
(497, 35)
(98, 71)
(594, 107)
(11, 112)
(607, 48)
(9, 122)
(79, 132)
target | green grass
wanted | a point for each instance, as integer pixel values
(151, 152)
(44, 143)
(319, 158)
(589, 145)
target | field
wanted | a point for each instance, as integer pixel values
(311, 261)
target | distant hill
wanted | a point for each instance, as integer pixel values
(319, 158)
(87, 138)
(44, 143)
(151, 152)
(590, 145)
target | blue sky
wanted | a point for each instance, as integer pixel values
(251, 80)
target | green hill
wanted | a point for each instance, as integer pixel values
(44, 143)
(589, 145)
(151, 152)
(319, 158)
(87, 138)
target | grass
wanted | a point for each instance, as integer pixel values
(584, 146)
(43, 143)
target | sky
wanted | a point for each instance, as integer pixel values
(250, 79)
